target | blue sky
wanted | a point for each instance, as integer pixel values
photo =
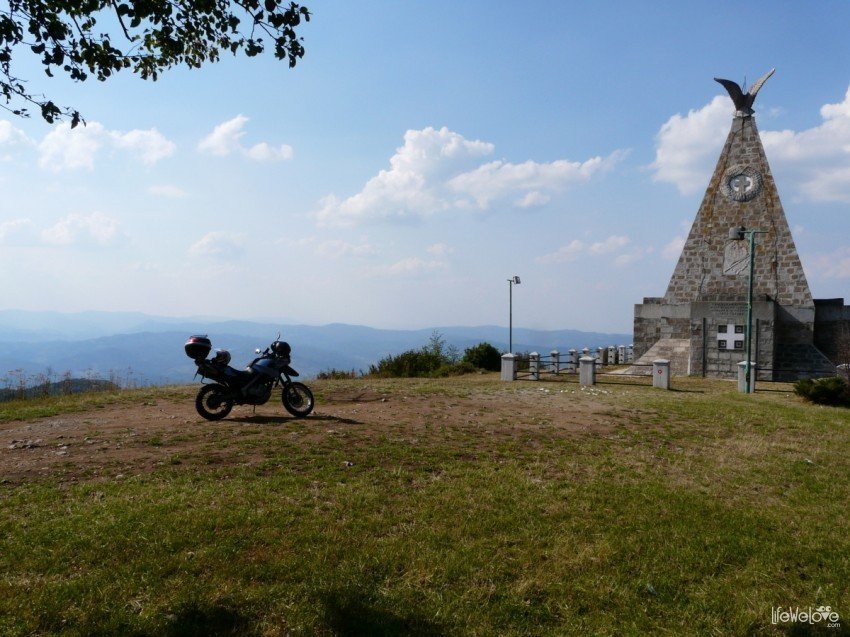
(418, 156)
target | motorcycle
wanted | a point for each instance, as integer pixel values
(253, 386)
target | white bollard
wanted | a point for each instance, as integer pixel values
(661, 373)
(534, 365)
(556, 361)
(742, 377)
(508, 367)
(587, 371)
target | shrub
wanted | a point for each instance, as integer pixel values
(408, 364)
(336, 374)
(455, 369)
(824, 391)
(483, 356)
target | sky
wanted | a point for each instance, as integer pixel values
(420, 155)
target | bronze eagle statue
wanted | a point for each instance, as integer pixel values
(744, 101)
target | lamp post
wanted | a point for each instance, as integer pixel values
(739, 234)
(513, 280)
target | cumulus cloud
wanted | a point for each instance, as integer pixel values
(95, 229)
(219, 246)
(66, 148)
(813, 163)
(149, 145)
(10, 139)
(575, 248)
(226, 138)
(687, 146)
(436, 171)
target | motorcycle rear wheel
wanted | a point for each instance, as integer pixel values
(212, 402)
(297, 399)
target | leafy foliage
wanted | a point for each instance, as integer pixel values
(154, 35)
(483, 356)
(437, 360)
(824, 391)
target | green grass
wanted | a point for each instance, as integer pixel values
(694, 512)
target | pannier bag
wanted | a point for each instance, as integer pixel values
(197, 347)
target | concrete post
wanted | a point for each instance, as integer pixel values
(742, 377)
(508, 367)
(556, 361)
(621, 354)
(587, 371)
(661, 373)
(630, 354)
(534, 365)
(601, 356)
(612, 355)
(572, 361)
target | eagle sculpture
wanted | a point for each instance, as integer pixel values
(744, 101)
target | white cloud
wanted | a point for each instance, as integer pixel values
(576, 248)
(533, 199)
(673, 249)
(814, 163)
(833, 265)
(219, 246)
(687, 147)
(569, 252)
(149, 145)
(76, 229)
(11, 138)
(264, 152)
(340, 248)
(172, 192)
(66, 148)
(437, 171)
(226, 138)
(440, 250)
(16, 232)
(611, 244)
(411, 266)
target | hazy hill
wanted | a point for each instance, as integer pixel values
(149, 349)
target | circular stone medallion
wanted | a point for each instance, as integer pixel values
(741, 184)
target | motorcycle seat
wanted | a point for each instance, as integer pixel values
(237, 373)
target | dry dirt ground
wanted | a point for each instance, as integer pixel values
(130, 438)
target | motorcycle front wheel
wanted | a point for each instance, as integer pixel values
(212, 402)
(297, 399)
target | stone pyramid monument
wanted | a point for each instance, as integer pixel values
(699, 324)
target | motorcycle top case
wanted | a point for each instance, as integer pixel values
(197, 347)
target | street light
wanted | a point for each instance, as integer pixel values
(739, 234)
(511, 282)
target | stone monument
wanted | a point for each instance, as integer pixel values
(699, 323)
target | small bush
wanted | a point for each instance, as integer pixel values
(824, 391)
(483, 356)
(408, 364)
(337, 374)
(456, 369)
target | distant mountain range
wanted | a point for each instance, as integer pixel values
(148, 349)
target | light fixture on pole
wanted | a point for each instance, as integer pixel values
(514, 280)
(739, 234)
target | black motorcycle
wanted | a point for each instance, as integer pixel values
(253, 386)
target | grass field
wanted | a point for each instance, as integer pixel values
(462, 506)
